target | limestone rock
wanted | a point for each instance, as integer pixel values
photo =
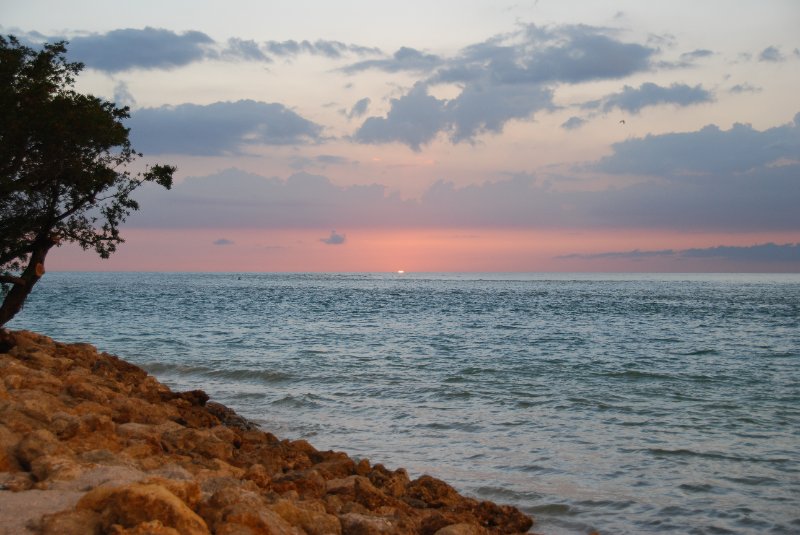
(133, 504)
(90, 444)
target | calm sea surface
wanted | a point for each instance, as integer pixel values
(622, 403)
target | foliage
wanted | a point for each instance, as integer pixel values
(63, 166)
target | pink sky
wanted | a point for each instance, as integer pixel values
(482, 136)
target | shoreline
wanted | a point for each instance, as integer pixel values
(92, 444)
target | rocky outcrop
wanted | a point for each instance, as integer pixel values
(90, 444)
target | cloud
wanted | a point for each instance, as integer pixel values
(713, 180)
(123, 96)
(148, 48)
(709, 151)
(158, 48)
(244, 50)
(762, 253)
(334, 239)
(223, 241)
(508, 77)
(696, 54)
(414, 119)
(771, 54)
(359, 108)
(636, 254)
(219, 128)
(633, 99)
(404, 59)
(321, 47)
(744, 88)
(768, 252)
(573, 123)
(321, 161)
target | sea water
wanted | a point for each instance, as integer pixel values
(617, 403)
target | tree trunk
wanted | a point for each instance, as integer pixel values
(20, 290)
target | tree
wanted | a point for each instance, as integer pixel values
(63, 167)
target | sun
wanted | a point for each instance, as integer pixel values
(400, 271)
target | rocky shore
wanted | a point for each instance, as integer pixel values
(90, 444)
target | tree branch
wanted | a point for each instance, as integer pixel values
(13, 280)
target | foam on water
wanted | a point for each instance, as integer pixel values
(626, 404)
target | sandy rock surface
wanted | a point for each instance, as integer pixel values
(90, 444)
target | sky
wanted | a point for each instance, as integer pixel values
(463, 135)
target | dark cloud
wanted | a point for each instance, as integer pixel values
(320, 161)
(771, 54)
(219, 128)
(744, 88)
(418, 117)
(236, 199)
(404, 59)
(334, 239)
(330, 159)
(768, 252)
(321, 47)
(636, 254)
(123, 96)
(733, 180)
(223, 241)
(573, 123)
(541, 55)
(414, 120)
(633, 99)
(483, 108)
(509, 77)
(359, 108)
(707, 152)
(696, 54)
(245, 50)
(149, 48)
(763, 253)
(156, 48)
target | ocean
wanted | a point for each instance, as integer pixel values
(617, 403)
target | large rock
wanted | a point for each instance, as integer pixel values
(137, 503)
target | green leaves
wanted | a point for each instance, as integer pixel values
(63, 159)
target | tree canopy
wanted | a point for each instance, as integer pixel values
(64, 160)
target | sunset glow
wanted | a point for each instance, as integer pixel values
(579, 136)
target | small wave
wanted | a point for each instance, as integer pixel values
(457, 426)
(236, 374)
(696, 487)
(700, 352)
(638, 375)
(683, 452)
(306, 401)
(552, 509)
(752, 481)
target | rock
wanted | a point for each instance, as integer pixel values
(36, 444)
(310, 516)
(70, 522)
(154, 527)
(133, 504)
(393, 483)
(462, 529)
(358, 524)
(90, 444)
